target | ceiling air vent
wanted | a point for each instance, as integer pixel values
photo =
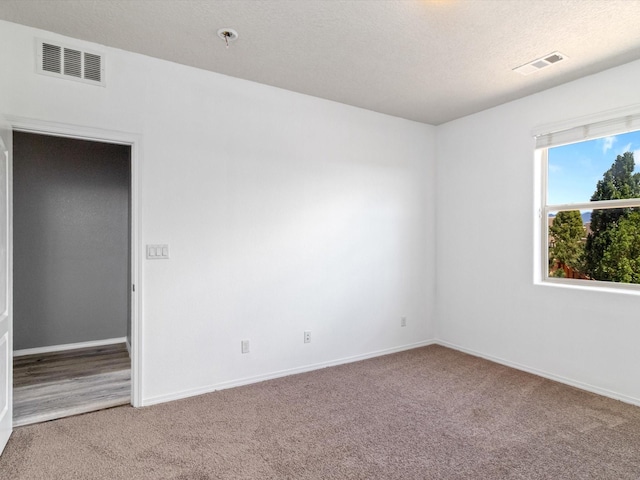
(71, 63)
(540, 63)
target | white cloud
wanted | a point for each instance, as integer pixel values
(626, 148)
(556, 168)
(636, 157)
(607, 143)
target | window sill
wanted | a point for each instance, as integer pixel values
(591, 286)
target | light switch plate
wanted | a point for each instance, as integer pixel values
(158, 252)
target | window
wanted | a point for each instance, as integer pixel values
(590, 212)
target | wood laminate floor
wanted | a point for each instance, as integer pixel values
(56, 385)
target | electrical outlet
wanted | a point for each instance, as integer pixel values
(245, 346)
(307, 336)
(403, 322)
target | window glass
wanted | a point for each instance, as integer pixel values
(574, 170)
(596, 239)
(601, 244)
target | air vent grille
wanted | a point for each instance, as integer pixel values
(93, 67)
(51, 58)
(71, 63)
(540, 63)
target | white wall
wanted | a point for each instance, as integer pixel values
(283, 213)
(487, 302)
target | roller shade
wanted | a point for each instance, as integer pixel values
(590, 131)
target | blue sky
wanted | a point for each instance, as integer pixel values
(574, 170)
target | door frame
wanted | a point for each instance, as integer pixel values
(134, 141)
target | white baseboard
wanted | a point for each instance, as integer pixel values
(541, 373)
(282, 373)
(68, 346)
(128, 346)
(307, 368)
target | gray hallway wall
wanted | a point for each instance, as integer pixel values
(71, 240)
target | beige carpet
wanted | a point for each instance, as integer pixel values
(429, 413)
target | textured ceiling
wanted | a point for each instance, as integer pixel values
(430, 61)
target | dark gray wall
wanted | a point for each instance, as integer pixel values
(71, 240)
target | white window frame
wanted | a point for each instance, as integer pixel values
(551, 137)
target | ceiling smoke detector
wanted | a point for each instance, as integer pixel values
(540, 63)
(228, 35)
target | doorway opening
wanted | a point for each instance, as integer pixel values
(72, 275)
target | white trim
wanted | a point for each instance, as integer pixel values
(594, 205)
(542, 168)
(134, 140)
(590, 285)
(541, 373)
(137, 313)
(128, 346)
(8, 386)
(66, 130)
(281, 373)
(68, 346)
